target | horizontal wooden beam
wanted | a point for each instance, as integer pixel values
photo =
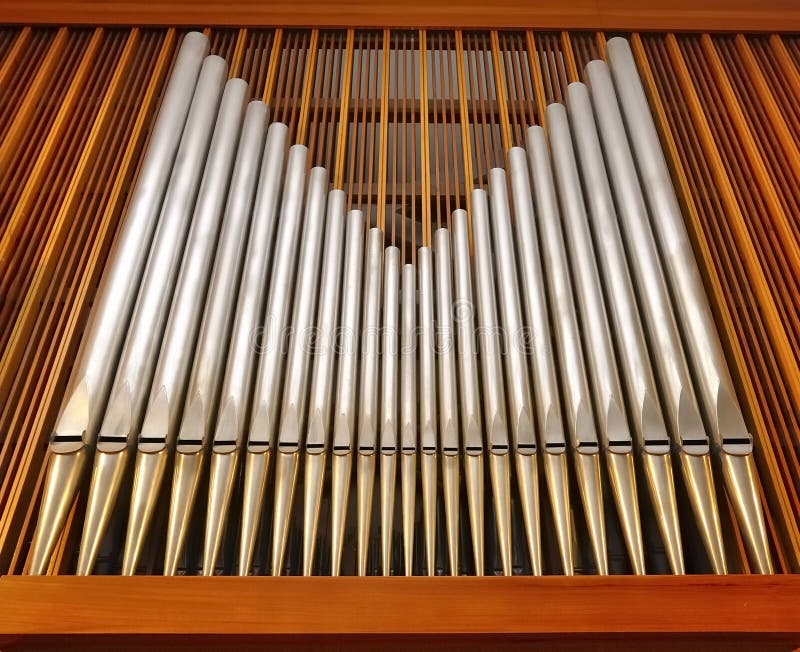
(734, 15)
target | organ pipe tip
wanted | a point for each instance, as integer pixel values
(473, 470)
(364, 485)
(147, 477)
(587, 468)
(64, 473)
(739, 474)
(623, 485)
(658, 472)
(340, 491)
(699, 482)
(450, 477)
(500, 474)
(220, 489)
(388, 474)
(256, 470)
(528, 481)
(557, 481)
(428, 462)
(107, 477)
(185, 484)
(408, 479)
(312, 498)
(286, 466)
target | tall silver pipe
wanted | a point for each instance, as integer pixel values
(609, 408)
(126, 406)
(90, 381)
(645, 413)
(266, 395)
(234, 399)
(677, 392)
(389, 400)
(448, 391)
(469, 383)
(518, 387)
(427, 403)
(408, 410)
(722, 412)
(295, 388)
(368, 404)
(549, 420)
(344, 420)
(162, 418)
(577, 399)
(493, 389)
(323, 377)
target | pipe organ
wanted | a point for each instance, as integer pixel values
(323, 302)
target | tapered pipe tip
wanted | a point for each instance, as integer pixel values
(107, 476)
(555, 473)
(64, 472)
(528, 481)
(658, 471)
(623, 485)
(587, 467)
(700, 486)
(341, 466)
(220, 489)
(473, 467)
(364, 487)
(285, 480)
(185, 483)
(256, 470)
(312, 498)
(500, 473)
(450, 477)
(428, 462)
(739, 473)
(408, 473)
(388, 480)
(147, 478)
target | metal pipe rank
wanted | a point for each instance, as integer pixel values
(549, 420)
(408, 410)
(368, 400)
(126, 406)
(577, 399)
(295, 389)
(723, 416)
(389, 400)
(162, 418)
(677, 392)
(84, 402)
(645, 413)
(322, 382)
(427, 403)
(448, 391)
(344, 421)
(518, 386)
(470, 403)
(266, 396)
(609, 408)
(494, 395)
(201, 421)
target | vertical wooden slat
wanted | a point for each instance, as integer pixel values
(500, 86)
(344, 109)
(425, 161)
(384, 131)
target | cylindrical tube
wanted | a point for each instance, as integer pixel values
(427, 347)
(391, 350)
(445, 344)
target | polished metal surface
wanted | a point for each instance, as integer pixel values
(408, 411)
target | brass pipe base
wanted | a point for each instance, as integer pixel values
(700, 486)
(473, 467)
(388, 479)
(340, 492)
(312, 498)
(285, 479)
(623, 484)
(450, 476)
(557, 480)
(587, 467)
(528, 480)
(185, 484)
(658, 471)
(429, 509)
(256, 471)
(147, 478)
(220, 490)
(500, 474)
(408, 480)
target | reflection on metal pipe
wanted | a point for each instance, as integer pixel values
(161, 420)
(518, 387)
(574, 384)
(408, 410)
(549, 420)
(389, 400)
(645, 414)
(90, 382)
(427, 404)
(677, 392)
(126, 406)
(723, 415)
(344, 420)
(295, 387)
(320, 406)
(234, 399)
